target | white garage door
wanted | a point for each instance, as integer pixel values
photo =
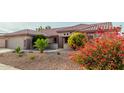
(2, 43)
(15, 42)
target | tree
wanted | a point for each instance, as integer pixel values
(38, 37)
(39, 28)
(42, 28)
(41, 44)
(77, 39)
(48, 27)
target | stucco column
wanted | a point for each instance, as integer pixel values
(60, 43)
(28, 43)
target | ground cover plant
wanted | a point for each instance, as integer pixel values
(105, 52)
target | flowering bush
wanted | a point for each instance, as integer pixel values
(77, 39)
(103, 53)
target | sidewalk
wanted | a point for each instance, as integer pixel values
(4, 50)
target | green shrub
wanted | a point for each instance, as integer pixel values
(18, 51)
(41, 44)
(77, 39)
(37, 37)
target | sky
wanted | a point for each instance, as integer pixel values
(7, 27)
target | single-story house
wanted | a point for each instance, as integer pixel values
(57, 36)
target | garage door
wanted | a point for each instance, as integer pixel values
(2, 43)
(15, 42)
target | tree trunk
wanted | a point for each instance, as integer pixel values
(41, 51)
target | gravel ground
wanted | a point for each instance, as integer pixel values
(37, 61)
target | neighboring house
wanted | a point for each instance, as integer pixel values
(57, 37)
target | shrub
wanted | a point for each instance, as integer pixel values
(58, 53)
(41, 44)
(38, 37)
(18, 51)
(103, 53)
(32, 57)
(77, 39)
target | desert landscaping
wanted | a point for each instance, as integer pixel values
(39, 61)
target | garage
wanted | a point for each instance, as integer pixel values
(15, 42)
(2, 43)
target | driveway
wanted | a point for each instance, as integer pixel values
(4, 50)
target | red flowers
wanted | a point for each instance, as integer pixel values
(122, 55)
(104, 52)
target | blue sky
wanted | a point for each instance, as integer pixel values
(6, 27)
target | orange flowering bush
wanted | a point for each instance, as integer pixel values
(102, 53)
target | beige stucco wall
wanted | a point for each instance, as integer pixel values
(53, 45)
(2, 43)
(65, 34)
(13, 42)
(50, 40)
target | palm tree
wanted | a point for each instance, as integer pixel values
(48, 27)
(41, 44)
(42, 28)
(39, 28)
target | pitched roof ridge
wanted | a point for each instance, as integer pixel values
(96, 24)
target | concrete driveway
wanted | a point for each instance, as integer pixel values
(5, 50)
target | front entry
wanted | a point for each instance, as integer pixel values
(63, 41)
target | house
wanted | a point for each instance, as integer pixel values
(57, 37)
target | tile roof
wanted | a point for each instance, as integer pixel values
(21, 32)
(90, 27)
(55, 31)
(94, 27)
